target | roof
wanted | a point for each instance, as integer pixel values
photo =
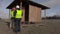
(17, 2)
(13, 4)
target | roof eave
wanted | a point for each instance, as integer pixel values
(31, 3)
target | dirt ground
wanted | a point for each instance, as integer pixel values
(51, 26)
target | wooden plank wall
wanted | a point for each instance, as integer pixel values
(34, 14)
(23, 18)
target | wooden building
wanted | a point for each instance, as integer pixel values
(31, 11)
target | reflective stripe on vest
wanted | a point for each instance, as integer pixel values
(12, 13)
(19, 14)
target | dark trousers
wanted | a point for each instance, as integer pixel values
(17, 25)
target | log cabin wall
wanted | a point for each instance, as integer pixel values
(23, 18)
(34, 14)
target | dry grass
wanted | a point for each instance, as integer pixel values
(49, 27)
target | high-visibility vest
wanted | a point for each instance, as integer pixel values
(19, 14)
(12, 13)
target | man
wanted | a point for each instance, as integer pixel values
(12, 17)
(17, 20)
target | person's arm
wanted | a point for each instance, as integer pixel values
(15, 13)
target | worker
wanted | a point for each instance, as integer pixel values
(18, 16)
(12, 17)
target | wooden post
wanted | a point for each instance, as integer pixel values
(9, 13)
(45, 16)
(21, 5)
(45, 13)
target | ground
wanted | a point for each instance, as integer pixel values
(51, 26)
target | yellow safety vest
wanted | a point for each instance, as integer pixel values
(19, 14)
(12, 13)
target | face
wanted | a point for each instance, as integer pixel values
(14, 8)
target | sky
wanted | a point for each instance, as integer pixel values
(53, 4)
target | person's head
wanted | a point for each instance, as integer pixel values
(14, 8)
(17, 7)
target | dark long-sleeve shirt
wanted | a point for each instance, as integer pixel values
(15, 13)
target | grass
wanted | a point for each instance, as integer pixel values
(51, 27)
